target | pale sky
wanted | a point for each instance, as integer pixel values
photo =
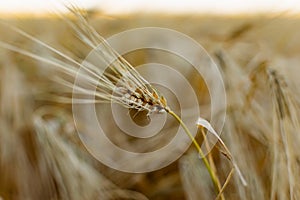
(127, 6)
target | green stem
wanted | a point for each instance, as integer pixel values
(207, 165)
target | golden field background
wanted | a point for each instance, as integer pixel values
(41, 156)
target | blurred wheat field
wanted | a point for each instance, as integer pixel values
(41, 156)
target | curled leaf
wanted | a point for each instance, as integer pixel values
(204, 123)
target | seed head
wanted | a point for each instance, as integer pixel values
(120, 83)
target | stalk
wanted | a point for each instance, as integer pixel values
(200, 152)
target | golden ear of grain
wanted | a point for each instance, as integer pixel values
(286, 140)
